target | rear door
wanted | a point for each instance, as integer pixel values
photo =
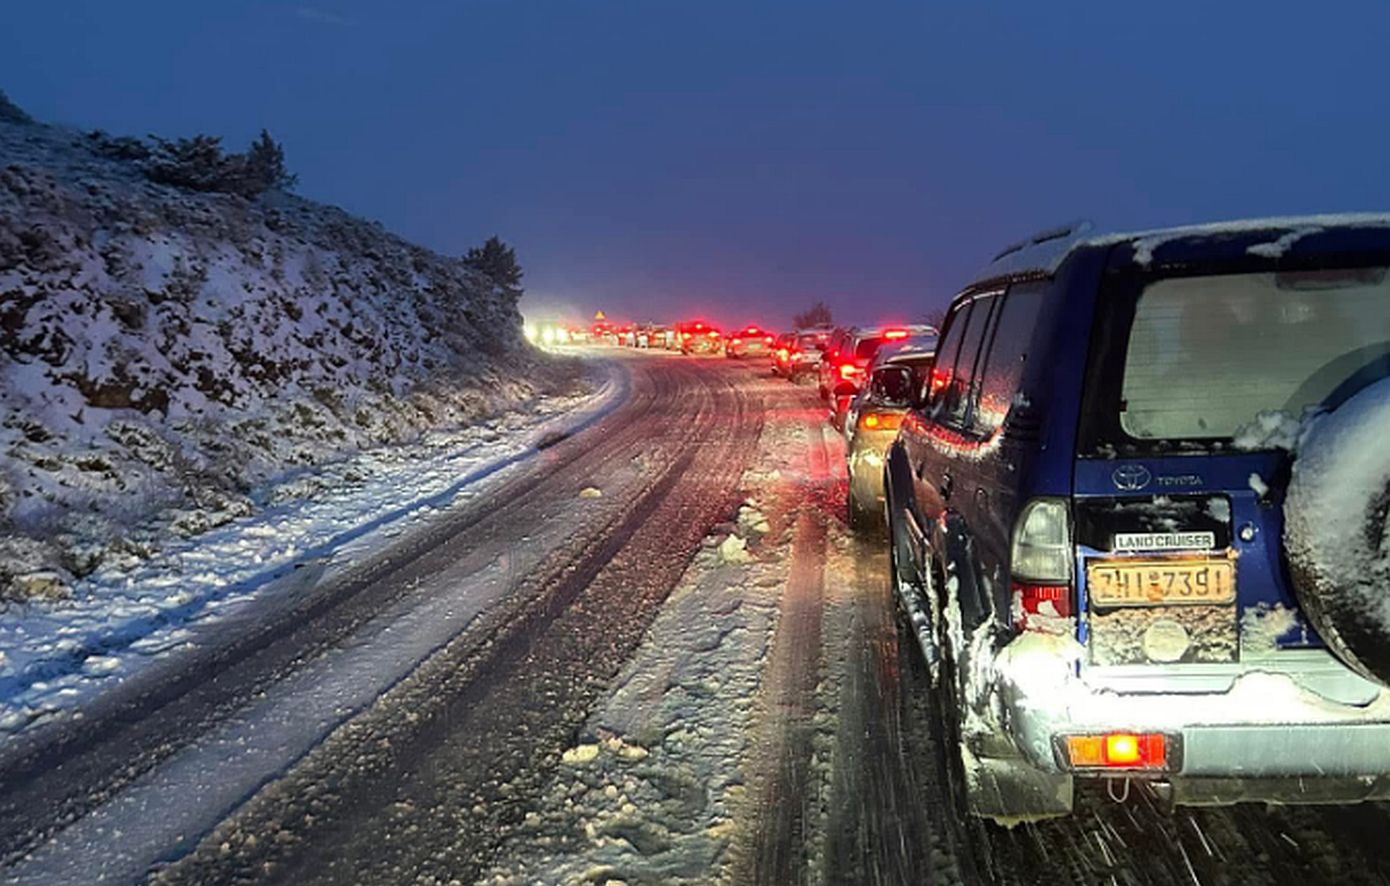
(1196, 385)
(992, 500)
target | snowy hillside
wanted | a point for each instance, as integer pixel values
(166, 356)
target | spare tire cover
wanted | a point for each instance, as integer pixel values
(1335, 529)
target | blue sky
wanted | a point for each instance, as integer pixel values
(743, 159)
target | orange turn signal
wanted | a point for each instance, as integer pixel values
(880, 421)
(1118, 750)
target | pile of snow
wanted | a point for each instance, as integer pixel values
(1270, 429)
(655, 790)
(167, 356)
(652, 788)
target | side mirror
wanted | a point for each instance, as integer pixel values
(892, 385)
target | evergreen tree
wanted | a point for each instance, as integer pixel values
(816, 315)
(265, 166)
(497, 261)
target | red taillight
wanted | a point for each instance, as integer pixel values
(713, 334)
(880, 421)
(894, 334)
(737, 341)
(1118, 750)
(940, 378)
(768, 339)
(1033, 598)
(685, 335)
(849, 372)
(781, 353)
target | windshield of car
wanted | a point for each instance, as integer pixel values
(1208, 354)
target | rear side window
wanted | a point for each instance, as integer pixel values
(946, 356)
(956, 403)
(867, 347)
(1207, 354)
(952, 402)
(1002, 369)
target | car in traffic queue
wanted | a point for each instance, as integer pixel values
(657, 337)
(798, 354)
(848, 368)
(871, 423)
(779, 358)
(750, 341)
(699, 337)
(1137, 518)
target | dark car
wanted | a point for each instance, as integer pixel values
(780, 357)
(846, 371)
(1116, 567)
(836, 344)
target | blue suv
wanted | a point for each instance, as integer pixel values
(1138, 517)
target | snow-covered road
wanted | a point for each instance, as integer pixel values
(648, 652)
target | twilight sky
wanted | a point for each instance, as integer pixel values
(740, 158)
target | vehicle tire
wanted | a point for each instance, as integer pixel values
(1336, 535)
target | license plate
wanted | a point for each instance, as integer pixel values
(1160, 582)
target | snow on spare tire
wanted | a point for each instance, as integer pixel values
(1335, 529)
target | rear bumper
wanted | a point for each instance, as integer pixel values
(1312, 739)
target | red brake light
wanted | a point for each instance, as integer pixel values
(880, 421)
(737, 341)
(1032, 597)
(849, 372)
(940, 378)
(714, 333)
(768, 339)
(685, 335)
(894, 334)
(782, 353)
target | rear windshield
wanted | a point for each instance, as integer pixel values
(1207, 354)
(811, 341)
(867, 347)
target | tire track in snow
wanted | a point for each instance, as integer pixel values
(449, 787)
(781, 813)
(220, 682)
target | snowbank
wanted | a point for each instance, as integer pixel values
(168, 357)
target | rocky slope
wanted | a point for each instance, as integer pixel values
(167, 357)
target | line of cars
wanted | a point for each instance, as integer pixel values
(688, 337)
(1135, 509)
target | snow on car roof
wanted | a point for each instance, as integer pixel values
(1043, 253)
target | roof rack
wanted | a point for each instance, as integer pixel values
(1039, 253)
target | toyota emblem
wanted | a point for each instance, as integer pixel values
(1131, 478)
